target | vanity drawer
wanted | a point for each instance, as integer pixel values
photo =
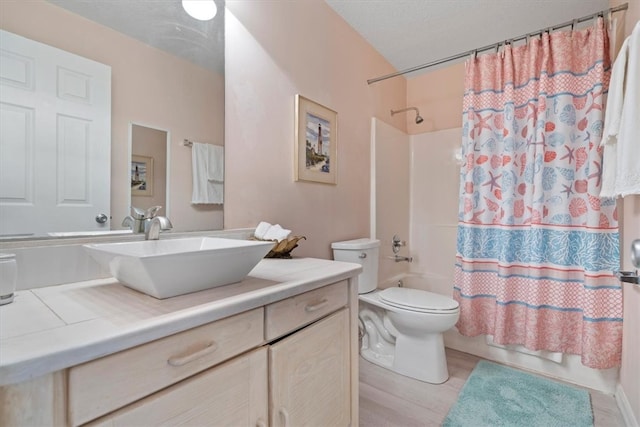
(290, 314)
(102, 385)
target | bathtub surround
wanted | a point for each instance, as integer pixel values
(537, 246)
(390, 195)
(497, 395)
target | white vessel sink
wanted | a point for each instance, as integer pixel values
(170, 267)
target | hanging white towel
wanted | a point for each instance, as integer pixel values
(208, 173)
(621, 135)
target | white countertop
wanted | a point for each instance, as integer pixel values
(52, 328)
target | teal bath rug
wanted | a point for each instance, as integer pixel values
(495, 395)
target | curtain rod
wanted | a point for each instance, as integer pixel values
(496, 45)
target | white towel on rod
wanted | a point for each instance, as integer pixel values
(215, 164)
(208, 173)
(621, 135)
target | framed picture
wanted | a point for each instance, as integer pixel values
(316, 140)
(141, 176)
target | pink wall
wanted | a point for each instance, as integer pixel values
(275, 50)
(438, 96)
(149, 87)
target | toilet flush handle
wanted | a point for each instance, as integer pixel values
(362, 255)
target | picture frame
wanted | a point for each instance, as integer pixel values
(316, 142)
(141, 176)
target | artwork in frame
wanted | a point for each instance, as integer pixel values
(141, 176)
(316, 142)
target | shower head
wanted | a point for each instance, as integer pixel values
(419, 118)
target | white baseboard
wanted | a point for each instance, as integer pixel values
(625, 408)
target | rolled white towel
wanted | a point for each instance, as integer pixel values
(261, 230)
(276, 232)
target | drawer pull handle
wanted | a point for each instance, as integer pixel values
(317, 306)
(285, 417)
(181, 360)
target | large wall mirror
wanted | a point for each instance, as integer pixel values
(165, 85)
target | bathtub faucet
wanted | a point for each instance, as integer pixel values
(399, 258)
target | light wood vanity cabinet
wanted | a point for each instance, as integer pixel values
(288, 363)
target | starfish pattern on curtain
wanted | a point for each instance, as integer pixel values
(537, 247)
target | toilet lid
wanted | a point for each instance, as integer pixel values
(418, 300)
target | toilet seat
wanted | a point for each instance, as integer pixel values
(418, 300)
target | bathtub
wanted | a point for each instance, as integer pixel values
(425, 281)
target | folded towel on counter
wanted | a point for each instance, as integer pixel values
(277, 233)
(208, 174)
(266, 231)
(262, 229)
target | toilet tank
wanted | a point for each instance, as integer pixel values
(363, 252)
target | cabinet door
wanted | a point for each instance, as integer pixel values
(310, 375)
(232, 394)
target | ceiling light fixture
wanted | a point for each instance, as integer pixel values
(202, 10)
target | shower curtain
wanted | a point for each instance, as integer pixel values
(537, 246)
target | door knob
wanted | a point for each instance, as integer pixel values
(101, 218)
(635, 253)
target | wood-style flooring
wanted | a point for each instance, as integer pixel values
(388, 399)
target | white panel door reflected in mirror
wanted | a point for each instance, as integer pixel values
(55, 132)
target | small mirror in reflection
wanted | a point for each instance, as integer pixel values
(149, 168)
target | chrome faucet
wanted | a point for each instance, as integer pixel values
(139, 218)
(155, 225)
(396, 244)
(130, 222)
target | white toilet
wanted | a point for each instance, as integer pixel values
(402, 327)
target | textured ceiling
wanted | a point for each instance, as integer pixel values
(414, 32)
(406, 32)
(160, 23)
